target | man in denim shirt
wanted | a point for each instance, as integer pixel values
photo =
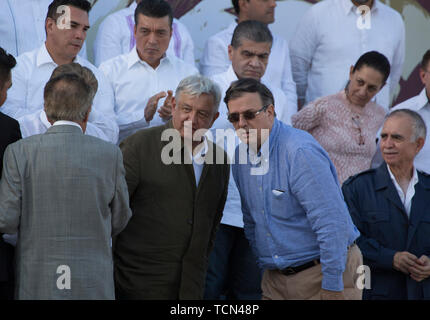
(293, 209)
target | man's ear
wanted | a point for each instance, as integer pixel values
(420, 143)
(230, 52)
(422, 75)
(49, 25)
(173, 104)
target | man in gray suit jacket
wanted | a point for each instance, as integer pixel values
(66, 195)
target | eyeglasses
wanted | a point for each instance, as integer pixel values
(356, 121)
(248, 115)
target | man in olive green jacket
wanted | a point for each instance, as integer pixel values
(177, 198)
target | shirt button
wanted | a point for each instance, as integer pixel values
(276, 257)
(262, 211)
(260, 189)
(269, 235)
(190, 222)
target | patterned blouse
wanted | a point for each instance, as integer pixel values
(346, 131)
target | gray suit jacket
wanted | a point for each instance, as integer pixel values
(66, 194)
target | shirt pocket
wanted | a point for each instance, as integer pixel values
(279, 199)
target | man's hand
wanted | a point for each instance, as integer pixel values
(332, 295)
(166, 109)
(152, 104)
(421, 270)
(403, 261)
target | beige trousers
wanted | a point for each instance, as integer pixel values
(306, 285)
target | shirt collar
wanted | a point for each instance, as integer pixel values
(414, 179)
(43, 57)
(66, 122)
(231, 75)
(133, 58)
(423, 100)
(348, 6)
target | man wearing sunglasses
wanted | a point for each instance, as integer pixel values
(233, 271)
(294, 214)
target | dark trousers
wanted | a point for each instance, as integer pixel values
(233, 273)
(6, 271)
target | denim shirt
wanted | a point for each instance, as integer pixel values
(295, 212)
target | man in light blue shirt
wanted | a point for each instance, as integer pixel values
(294, 213)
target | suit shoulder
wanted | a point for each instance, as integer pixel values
(362, 175)
(5, 119)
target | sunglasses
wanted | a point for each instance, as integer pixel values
(248, 115)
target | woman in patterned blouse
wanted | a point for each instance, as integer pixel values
(346, 123)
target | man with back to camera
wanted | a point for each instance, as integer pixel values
(63, 43)
(65, 194)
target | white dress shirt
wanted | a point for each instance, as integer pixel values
(198, 159)
(37, 123)
(115, 36)
(328, 42)
(29, 78)
(406, 199)
(215, 60)
(420, 104)
(134, 82)
(22, 25)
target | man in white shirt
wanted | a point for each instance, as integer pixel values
(389, 205)
(115, 36)
(421, 104)
(215, 58)
(333, 34)
(146, 74)
(22, 25)
(62, 45)
(233, 270)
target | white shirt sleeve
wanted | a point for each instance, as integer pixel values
(302, 48)
(108, 41)
(215, 57)
(288, 85)
(15, 105)
(398, 58)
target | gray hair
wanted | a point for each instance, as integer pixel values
(197, 85)
(67, 97)
(418, 125)
(251, 30)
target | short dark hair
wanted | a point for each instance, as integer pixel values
(248, 85)
(80, 4)
(251, 30)
(67, 97)
(425, 60)
(154, 9)
(7, 62)
(375, 60)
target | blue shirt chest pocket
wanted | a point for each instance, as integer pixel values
(279, 197)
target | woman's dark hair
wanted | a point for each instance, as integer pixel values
(376, 61)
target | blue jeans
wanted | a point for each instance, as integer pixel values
(233, 272)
